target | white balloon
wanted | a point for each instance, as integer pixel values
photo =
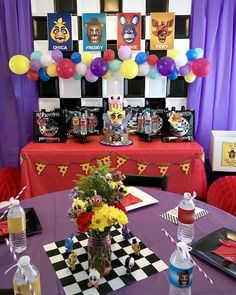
(180, 60)
(81, 69)
(46, 59)
(144, 69)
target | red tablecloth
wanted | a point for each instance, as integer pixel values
(48, 167)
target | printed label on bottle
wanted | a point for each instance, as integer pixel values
(83, 123)
(16, 225)
(186, 216)
(180, 278)
(24, 289)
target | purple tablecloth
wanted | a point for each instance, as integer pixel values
(145, 223)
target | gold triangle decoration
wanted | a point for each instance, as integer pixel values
(62, 169)
(120, 161)
(163, 170)
(202, 157)
(185, 167)
(106, 160)
(85, 167)
(40, 167)
(141, 167)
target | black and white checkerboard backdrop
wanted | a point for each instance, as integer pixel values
(75, 281)
(160, 92)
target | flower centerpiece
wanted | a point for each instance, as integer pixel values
(96, 207)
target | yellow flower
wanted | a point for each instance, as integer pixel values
(99, 221)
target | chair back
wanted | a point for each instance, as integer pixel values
(222, 194)
(146, 181)
(9, 183)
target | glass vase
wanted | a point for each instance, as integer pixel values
(99, 254)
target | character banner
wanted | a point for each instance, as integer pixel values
(129, 30)
(94, 32)
(162, 31)
(59, 31)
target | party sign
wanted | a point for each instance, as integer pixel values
(59, 31)
(162, 31)
(94, 32)
(129, 30)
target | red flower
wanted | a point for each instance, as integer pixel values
(121, 207)
(83, 221)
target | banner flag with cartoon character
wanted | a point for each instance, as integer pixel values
(59, 31)
(94, 32)
(129, 30)
(162, 31)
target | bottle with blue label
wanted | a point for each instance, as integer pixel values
(180, 271)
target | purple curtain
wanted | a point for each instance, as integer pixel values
(18, 96)
(213, 28)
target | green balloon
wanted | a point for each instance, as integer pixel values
(36, 55)
(115, 65)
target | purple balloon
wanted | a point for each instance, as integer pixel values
(35, 64)
(166, 65)
(90, 77)
(57, 55)
(185, 70)
(99, 67)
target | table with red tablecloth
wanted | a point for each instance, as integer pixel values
(48, 167)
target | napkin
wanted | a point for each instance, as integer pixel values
(227, 250)
(172, 215)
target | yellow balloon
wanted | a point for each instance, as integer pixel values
(173, 53)
(190, 77)
(19, 64)
(129, 69)
(107, 75)
(87, 58)
(51, 70)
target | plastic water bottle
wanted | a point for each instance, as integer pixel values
(92, 122)
(154, 123)
(180, 271)
(32, 273)
(148, 124)
(17, 227)
(186, 214)
(140, 123)
(75, 123)
(83, 125)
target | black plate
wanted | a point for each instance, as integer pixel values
(33, 225)
(203, 248)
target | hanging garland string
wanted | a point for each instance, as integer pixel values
(117, 162)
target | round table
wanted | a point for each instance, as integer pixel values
(145, 223)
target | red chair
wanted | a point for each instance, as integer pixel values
(9, 183)
(222, 194)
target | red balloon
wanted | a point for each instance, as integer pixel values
(65, 68)
(201, 67)
(109, 55)
(152, 60)
(32, 75)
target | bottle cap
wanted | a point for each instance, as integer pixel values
(24, 260)
(15, 202)
(182, 245)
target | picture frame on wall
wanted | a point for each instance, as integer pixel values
(111, 6)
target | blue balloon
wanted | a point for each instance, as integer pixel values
(77, 76)
(174, 75)
(140, 58)
(43, 75)
(191, 54)
(76, 57)
(153, 73)
(36, 55)
(200, 52)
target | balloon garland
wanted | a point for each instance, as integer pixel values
(43, 66)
